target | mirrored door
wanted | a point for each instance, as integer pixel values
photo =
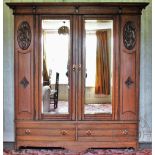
(56, 59)
(98, 68)
(67, 72)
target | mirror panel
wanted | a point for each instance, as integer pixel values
(55, 62)
(98, 66)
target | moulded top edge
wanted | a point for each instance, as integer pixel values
(77, 4)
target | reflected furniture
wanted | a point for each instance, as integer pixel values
(54, 93)
(46, 98)
(77, 130)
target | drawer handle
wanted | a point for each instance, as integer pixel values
(125, 132)
(88, 132)
(64, 132)
(27, 131)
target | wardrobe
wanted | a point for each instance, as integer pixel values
(95, 50)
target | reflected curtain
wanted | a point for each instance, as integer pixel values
(45, 70)
(102, 81)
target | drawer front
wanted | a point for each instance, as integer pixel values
(45, 132)
(107, 132)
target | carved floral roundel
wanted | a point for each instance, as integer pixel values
(129, 35)
(24, 35)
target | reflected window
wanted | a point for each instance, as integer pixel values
(98, 67)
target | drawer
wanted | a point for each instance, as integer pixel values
(46, 132)
(107, 132)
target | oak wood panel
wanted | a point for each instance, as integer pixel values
(98, 10)
(45, 125)
(106, 132)
(106, 139)
(43, 131)
(46, 132)
(36, 63)
(46, 138)
(101, 125)
(116, 69)
(24, 93)
(77, 8)
(129, 97)
(50, 134)
(73, 73)
(128, 108)
(80, 92)
(79, 146)
(58, 9)
(90, 4)
(24, 97)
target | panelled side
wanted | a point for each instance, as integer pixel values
(129, 74)
(24, 67)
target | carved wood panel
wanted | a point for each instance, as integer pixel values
(128, 97)
(129, 75)
(24, 67)
(24, 35)
(129, 35)
(24, 89)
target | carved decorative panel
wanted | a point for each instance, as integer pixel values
(24, 35)
(24, 82)
(129, 35)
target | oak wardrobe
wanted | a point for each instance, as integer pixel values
(76, 71)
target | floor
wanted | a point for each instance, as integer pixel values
(87, 152)
(89, 108)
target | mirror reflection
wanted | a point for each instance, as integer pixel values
(98, 69)
(55, 61)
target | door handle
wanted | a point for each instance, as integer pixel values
(74, 67)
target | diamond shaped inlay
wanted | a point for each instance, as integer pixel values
(24, 82)
(129, 82)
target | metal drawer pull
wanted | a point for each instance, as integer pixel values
(64, 132)
(125, 132)
(88, 132)
(27, 131)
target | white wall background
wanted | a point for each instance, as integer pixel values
(145, 67)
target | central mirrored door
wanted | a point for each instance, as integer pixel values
(56, 60)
